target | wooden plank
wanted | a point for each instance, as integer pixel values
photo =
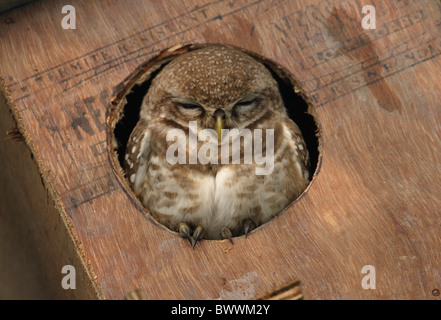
(375, 196)
(35, 241)
(290, 291)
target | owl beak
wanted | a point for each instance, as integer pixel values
(218, 127)
(219, 116)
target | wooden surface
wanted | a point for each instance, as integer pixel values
(376, 195)
(35, 241)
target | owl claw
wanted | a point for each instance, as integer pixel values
(226, 234)
(184, 231)
(248, 226)
(198, 233)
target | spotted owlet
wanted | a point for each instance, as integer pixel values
(184, 162)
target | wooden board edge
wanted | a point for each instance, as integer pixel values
(81, 257)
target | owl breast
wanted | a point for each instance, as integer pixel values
(227, 197)
(214, 201)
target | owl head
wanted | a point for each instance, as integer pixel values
(218, 87)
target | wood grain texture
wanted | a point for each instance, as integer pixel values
(35, 241)
(375, 196)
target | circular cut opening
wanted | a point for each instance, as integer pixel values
(200, 182)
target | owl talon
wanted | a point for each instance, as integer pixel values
(226, 234)
(184, 231)
(198, 233)
(248, 226)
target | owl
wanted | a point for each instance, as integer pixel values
(204, 95)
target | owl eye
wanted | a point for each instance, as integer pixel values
(190, 109)
(189, 105)
(244, 105)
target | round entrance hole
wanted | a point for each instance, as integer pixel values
(124, 115)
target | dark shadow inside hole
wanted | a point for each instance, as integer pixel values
(297, 109)
(130, 117)
(296, 106)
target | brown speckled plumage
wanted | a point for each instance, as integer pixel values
(214, 195)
